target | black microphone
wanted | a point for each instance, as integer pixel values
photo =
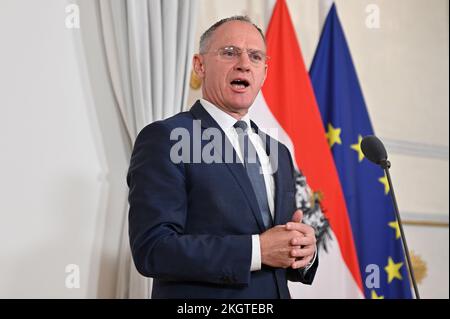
(375, 152)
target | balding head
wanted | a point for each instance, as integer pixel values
(206, 36)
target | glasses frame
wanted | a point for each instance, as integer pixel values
(239, 52)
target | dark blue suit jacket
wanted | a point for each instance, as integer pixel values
(190, 224)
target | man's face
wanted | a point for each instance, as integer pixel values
(232, 84)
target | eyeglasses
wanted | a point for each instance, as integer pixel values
(231, 53)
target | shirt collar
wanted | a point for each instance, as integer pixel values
(225, 120)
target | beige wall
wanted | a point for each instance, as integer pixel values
(403, 71)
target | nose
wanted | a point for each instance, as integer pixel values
(243, 63)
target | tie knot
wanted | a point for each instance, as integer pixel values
(241, 126)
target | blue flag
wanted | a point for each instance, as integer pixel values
(346, 121)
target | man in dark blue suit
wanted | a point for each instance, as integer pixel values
(212, 197)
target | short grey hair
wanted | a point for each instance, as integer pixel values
(206, 36)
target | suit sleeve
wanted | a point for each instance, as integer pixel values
(300, 275)
(158, 212)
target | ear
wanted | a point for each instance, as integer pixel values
(199, 67)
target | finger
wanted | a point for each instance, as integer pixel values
(296, 241)
(304, 241)
(298, 216)
(300, 263)
(303, 228)
(303, 252)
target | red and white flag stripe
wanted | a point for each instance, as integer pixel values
(287, 104)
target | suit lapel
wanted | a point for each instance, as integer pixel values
(236, 168)
(274, 157)
(278, 191)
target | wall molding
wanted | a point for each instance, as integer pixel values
(425, 219)
(416, 149)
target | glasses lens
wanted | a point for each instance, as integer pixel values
(228, 53)
(256, 56)
(232, 53)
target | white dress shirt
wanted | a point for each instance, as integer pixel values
(226, 122)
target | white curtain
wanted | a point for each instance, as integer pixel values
(149, 46)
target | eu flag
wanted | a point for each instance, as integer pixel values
(366, 191)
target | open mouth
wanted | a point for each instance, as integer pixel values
(240, 84)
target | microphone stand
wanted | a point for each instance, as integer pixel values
(385, 164)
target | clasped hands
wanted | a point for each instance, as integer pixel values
(290, 245)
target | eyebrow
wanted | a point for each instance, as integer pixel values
(235, 46)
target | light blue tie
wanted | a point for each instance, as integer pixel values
(254, 171)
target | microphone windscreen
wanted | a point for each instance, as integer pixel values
(373, 149)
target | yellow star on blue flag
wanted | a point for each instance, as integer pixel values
(383, 180)
(396, 227)
(333, 135)
(375, 296)
(357, 147)
(393, 270)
